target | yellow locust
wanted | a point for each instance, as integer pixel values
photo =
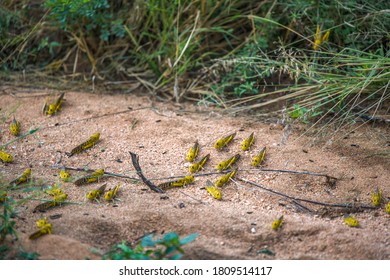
(228, 163)
(319, 39)
(94, 177)
(45, 206)
(259, 158)
(351, 221)
(43, 228)
(222, 142)
(95, 194)
(14, 127)
(54, 190)
(248, 142)
(58, 199)
(5, 157)
(64, 175)
(22, 178)
(85, 145)
(377, 197)
(213, 191)
(193, 152)
(225, 179)
(195, 167)
(277, 223)
(111, 193)
(54, 107)
(177, 183)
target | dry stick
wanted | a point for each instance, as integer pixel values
(329, 178)
(195, 175)
(303, 199)
(134, 159)
(100, 116)
(57, 166)
(299, 205)
(120, 176)
(198, 200)
(292, 171)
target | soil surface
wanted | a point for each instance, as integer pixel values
(236, 227)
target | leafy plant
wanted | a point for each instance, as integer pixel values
(150, 248)
(7, 226)
(23, 255)
(304, 114)
(85, 16)
(3, 251)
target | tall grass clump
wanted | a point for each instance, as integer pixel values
(310, 56)
(318, 66)
(156, 43)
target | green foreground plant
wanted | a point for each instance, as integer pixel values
(150, 248)
(7, 225)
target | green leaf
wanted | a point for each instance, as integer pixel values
(171, 236)
(188, 238)
(125, 248)
(176, 257)
(170, 250)
(265, 251)
(148, 241)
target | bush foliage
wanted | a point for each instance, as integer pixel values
(218, 51)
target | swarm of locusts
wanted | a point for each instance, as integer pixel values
(226, 165)
(225, 169)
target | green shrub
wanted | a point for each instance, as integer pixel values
(168, 247)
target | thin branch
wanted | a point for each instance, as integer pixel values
(198, 200)
(292, 171)
(100, 116)
(121, 176)
(342, 205)
(195, 175)
(330, 179)
(134, 159)
(299, 205)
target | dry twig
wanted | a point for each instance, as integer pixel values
(134, 159)
(295, 199)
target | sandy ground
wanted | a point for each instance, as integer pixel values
(238, 226)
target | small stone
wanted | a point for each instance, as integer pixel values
(253, 230)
